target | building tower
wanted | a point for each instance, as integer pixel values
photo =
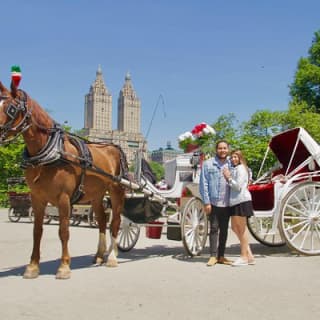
(98, 117)
(129, 108)
(98, 105)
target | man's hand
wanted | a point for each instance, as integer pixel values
(207, 208)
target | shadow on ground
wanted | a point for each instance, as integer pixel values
(154, 251)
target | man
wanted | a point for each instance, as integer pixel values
(214, 190)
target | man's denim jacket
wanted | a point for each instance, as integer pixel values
(209, 186)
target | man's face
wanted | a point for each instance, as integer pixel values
(222, 150)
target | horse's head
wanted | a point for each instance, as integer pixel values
(14, 113)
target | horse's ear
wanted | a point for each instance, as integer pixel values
(14, 89)
(3, 88)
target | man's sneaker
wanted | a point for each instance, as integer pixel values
(212, 261)
(224, 260)
(240, 262)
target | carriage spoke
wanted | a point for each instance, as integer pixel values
(194, 226)
(305, 236)
(297, 210)
(296, 225)
(290, 217)
(300, 202)
(298, 233)
(306, 199)
(316, 209)
(316, 229)
(300, 218)
(128, 235)
(261, 228)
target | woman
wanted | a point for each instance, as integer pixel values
(241, 205)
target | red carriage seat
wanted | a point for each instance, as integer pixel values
(262, 196)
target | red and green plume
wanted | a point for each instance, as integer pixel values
(16, 75)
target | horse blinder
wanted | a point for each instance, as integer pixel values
(12, 111)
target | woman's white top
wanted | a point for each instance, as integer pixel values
(239, 185)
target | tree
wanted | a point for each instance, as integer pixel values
(301, 115)
(306, 85)
(157, 169)
(226, 128)
(256, 134)
(10, 159)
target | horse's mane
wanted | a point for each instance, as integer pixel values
(39, 115)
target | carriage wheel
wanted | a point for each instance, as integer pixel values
(75, 220)
(128, 234)
(92, 219)
(194, 226)
(13, 215)
(260, 228)
(31, 215)
(300, 218)
(46, 218)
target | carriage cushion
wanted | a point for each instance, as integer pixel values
(262, 196)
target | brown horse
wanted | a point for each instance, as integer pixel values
(59, 173)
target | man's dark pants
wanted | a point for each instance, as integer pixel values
(219, 223)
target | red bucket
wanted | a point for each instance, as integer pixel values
(154, 231)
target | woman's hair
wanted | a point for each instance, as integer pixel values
(241, 157)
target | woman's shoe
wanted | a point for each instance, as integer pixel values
(240, 262)
(251, 262)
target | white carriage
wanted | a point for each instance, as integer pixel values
(148, 206)
(286, 198)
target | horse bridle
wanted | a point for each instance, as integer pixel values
(12, 111)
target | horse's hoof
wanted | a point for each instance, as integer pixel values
(31, 272)
(112, 263)
(63, 273)
(98, 261)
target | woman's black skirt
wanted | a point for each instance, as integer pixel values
(243, 209)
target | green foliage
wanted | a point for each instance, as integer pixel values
(157, 169)
(301, 115)
(10, 159)
(226, 128)
(80, 133)
(306, 85)
(256, 135)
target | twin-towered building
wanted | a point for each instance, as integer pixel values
(98, 116)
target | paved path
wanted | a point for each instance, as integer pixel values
(153, 281)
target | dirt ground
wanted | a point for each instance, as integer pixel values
(155, 280)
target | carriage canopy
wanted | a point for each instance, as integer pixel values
(293, 147)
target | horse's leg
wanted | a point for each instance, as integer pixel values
(32, 270)
(64, 207)
(98, 209)
(117, 195)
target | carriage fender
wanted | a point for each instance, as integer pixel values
(193, 188)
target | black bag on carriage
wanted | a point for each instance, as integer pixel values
(141, 210)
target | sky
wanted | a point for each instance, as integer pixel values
(190, 61)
